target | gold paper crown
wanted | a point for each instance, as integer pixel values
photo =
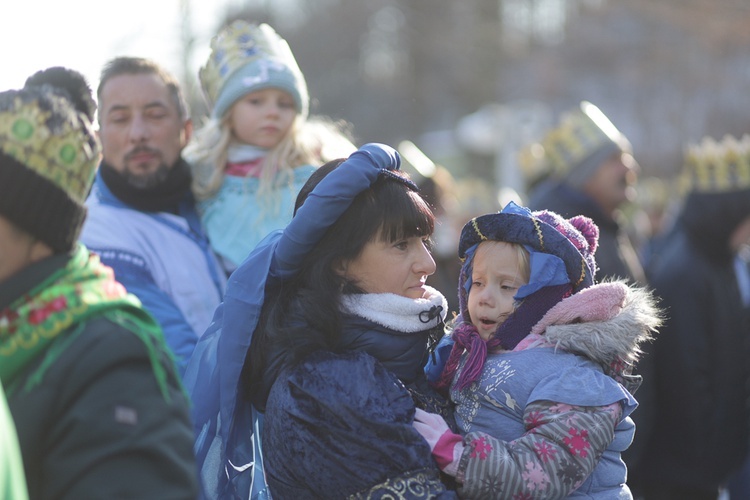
(580, 133)
(52, 139)
(712, 166)
(532, 163)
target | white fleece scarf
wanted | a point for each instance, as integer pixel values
(398, 313)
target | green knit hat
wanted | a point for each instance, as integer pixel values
(48, 155)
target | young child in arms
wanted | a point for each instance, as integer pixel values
(540, 364)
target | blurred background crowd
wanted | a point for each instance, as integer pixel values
(471, 83)
(634, 113)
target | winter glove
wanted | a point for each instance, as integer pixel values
(445, 445)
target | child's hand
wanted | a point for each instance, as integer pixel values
(430, 425)
(446, 446)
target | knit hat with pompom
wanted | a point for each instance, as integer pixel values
(574, 241)
(561, 263)
(48, 155)
(245, 58)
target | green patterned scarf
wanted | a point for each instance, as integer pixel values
(60, 306)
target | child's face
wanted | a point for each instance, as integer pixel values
(262, 118)
(498, 272)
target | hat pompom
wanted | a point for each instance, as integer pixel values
(73, 83)
(581, 231)
(588, 229)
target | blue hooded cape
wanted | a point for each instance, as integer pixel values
(227, 427)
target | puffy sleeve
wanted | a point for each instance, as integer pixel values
(561, 447)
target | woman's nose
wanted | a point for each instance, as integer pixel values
(425, 263)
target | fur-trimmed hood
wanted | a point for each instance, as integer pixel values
(606, 323)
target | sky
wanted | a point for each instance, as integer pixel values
(85, 34)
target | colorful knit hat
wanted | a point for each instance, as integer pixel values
(712, 166)
(576, 148)
(48, 155)
(246, 58)
(561, 262)
(574, 241)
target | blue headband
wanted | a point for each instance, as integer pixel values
(544, 270)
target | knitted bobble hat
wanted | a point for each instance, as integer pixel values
(561, 262)
(581, 231)
(48, 155)
(246, 58)
(574, 241)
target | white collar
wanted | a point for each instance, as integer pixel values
(240, 153)
(398, 313)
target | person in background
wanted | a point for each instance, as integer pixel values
(257, 148)
(540, 365)
(97, 402)
(142, 218)
(739, 484)
(590, 171)
(325, 329)
(700, 435)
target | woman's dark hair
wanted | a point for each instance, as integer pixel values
(302, 315)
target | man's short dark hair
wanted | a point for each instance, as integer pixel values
(141, 66)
